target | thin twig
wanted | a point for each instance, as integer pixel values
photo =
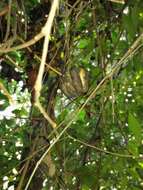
(8, 21)
(118, 1)
(100, 149)
(22, 46)
(13, 62)
(39, 59)
(6, 93)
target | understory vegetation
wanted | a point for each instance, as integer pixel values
(71, 95)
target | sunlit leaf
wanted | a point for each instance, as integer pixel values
(83, 43)
(134, 127)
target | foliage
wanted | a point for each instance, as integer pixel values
(100, 137)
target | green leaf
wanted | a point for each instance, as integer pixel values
(83, 43)
(128, 25)
(21, 112)
(62, 116)
(82, 24)
(132, 146)
(134, 127)
(87, 176)
(81, 115)
(85, 187)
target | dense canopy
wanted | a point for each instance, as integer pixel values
(71, 95)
